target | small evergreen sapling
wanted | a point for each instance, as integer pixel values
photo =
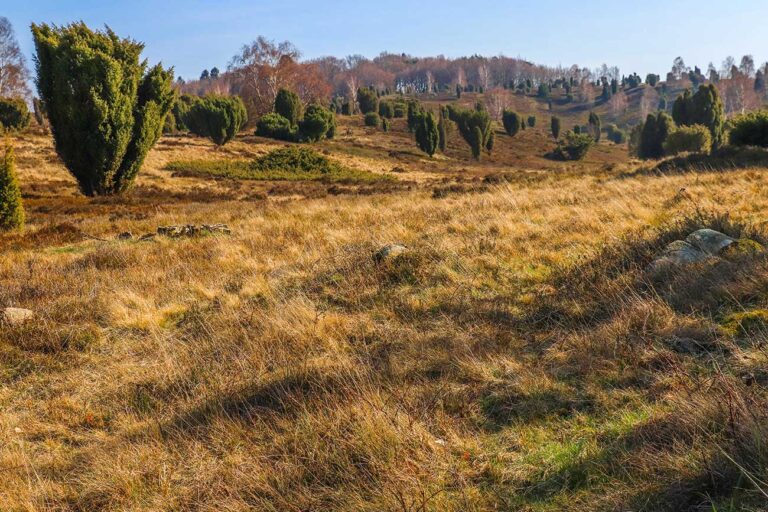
(11, 209)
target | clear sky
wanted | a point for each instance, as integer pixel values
(640, 36)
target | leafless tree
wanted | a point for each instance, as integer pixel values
(461, 77)
(496, 100)
(484, 75)
(747, 66)
(430, 81)
(728, 64)
(13, 66)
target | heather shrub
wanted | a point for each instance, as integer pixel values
(106, 110)
(532, 121)
(218, 118)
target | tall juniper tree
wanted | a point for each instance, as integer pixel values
(105, 108)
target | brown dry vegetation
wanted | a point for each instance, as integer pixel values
(517, 357)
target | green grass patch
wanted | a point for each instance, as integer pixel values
(284, 164)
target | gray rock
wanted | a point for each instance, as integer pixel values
(710, 241)
(676, 254)
(389, 251)
(16, 316)
(127, 235)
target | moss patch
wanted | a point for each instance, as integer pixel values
(285, 164)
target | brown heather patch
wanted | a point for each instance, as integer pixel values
(514, 359)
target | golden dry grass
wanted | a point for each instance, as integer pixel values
(281, 368)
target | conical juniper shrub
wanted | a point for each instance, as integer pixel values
(11, 210)
(105, 108)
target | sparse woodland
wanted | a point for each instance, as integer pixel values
(388, 284)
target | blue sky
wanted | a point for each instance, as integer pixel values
(641, 36)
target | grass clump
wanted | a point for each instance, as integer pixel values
(284, 164)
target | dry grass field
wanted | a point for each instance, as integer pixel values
(518, 356)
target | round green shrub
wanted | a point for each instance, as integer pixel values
(688, 139)
(218, 118)
(275, 126)
(14, 114)
(750, 129)
(372, 119)
(574, 146)
(386, 109)
(318, 123)
(616, 134)
(368, 100)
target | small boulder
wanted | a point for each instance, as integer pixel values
(389, 251)
(680, 252)
(127, 235)
(710, 241)
(16, 316)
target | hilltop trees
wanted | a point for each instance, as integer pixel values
(263, 67)
(218, 118)
(512, 122)
(106, 109)
(704, 108)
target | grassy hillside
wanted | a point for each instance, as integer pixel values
(517, 356)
